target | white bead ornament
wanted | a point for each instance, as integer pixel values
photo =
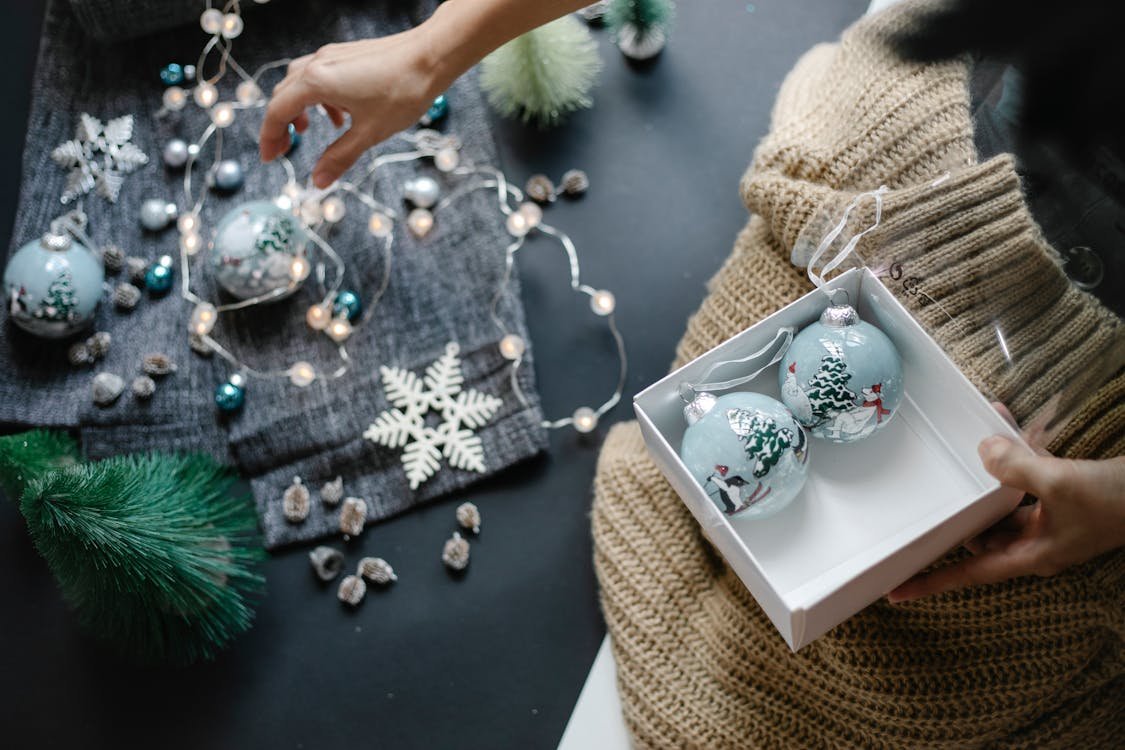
(318, 317)
(203, 319)
(232, 26)
(602, 302)
(585, 419)
(211, 21)
(205, 95)
(420, 221)
(512, 347)
(379, 225)
(223, 115)
(302, 374)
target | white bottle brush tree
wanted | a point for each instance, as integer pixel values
(640, 27)
(544, 74)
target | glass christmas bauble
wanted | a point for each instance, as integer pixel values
(53, 285)
(254, 249)
(842, 377)
(747, 452)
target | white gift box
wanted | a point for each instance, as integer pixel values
(871, 513)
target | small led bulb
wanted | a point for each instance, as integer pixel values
(517, 224)
(318, 317)
(190, 242)
(339, 329)
(283, 202)
(532, 213)
(379, 224)
(602, 302)
(311, 212)
(232, 26)
(203, 319)
(512, 347)
(585, 419)
(333, 209)
(248, 93)
(447, 159)
(223, 114)
(301, 374)
(187, 223)
(211, 21)
(174, 98)
(420, 221)
(205, 94)
(299, 269)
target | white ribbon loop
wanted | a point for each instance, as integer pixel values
(818, 278)
(784, 334)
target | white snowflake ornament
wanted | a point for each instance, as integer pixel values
(438, 390)
(98, 157)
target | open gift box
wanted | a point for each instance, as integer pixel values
(872, 513)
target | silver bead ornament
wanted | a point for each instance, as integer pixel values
(295, 501)
(175, 153)
(228, 175)
(352, 516)
(377, 570)
(331, 493)
(157, 214)
(143, 387)
(326, 562)
(157, 365)
(455, 553)
(468, 516)
(352, 590)
(126, 296)
(106, 388)
(422, 191)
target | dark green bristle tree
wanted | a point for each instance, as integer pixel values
(640, 27)
(154, 552)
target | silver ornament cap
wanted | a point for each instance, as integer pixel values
(699, 406)
(839, 316)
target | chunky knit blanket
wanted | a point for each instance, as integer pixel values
(1033, 662)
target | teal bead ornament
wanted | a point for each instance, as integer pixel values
(172, 74)
(158, 277)
(842, 377)
(294, 138)
(231, 395)
(53, 286)
(437, 111)
(747, 451)
(347, 304)
(254, 250)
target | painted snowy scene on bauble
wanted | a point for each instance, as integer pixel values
(765, 442)
(827, 406)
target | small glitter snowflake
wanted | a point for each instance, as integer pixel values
(99, 156)
(438, 390)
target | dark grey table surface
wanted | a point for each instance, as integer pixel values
(496, 659)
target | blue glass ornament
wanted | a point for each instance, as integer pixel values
(53, 285)
(254, 248)
(347, 303)
(172, 74)
(437, 111)
(294, 138)
(842, 377)
(747, 452)
(158, 277)
(229, 397)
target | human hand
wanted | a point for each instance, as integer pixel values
(383, 84)
(1079, 514)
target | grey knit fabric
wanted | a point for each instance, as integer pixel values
(439, 292)
(116, 20)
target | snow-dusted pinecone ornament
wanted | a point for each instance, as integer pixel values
(126, 296)
(332, 492)
(158, 365)
(136, 268)
(352, 516)
(575, 182)
(295, 501)
(113, 258)
(326, 562)
(455, 553)
(98, 344)
(106, 388)
(468, 515)
(377, 570)
(540, 189)
(352, 590)
(144, 387)
(747, 452)
(79, 354)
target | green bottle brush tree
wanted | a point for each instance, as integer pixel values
(640, 27)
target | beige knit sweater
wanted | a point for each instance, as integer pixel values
(1027, 663)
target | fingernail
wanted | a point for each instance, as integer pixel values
(320, 179)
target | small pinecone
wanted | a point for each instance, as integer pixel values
(326, 562)
(199, 346)
(113, 258)
(295, 502)
(352, 590)
(352, 516)
(98, 344)
(377, 570)
(468, 515)
(158, 365)
(575, 182)
(332, 492)
(107, 387)
(137, 268)
(144, 387)
(79, 354)
(126, 296)
(455, 553)
(540, 189)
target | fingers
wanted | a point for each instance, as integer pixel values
(338, 157)
(1006, 414)
(335, 114)
(989, 567)
(1016, 466)
(286, 106)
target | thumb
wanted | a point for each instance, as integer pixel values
(1017, 466)
(339, 157)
